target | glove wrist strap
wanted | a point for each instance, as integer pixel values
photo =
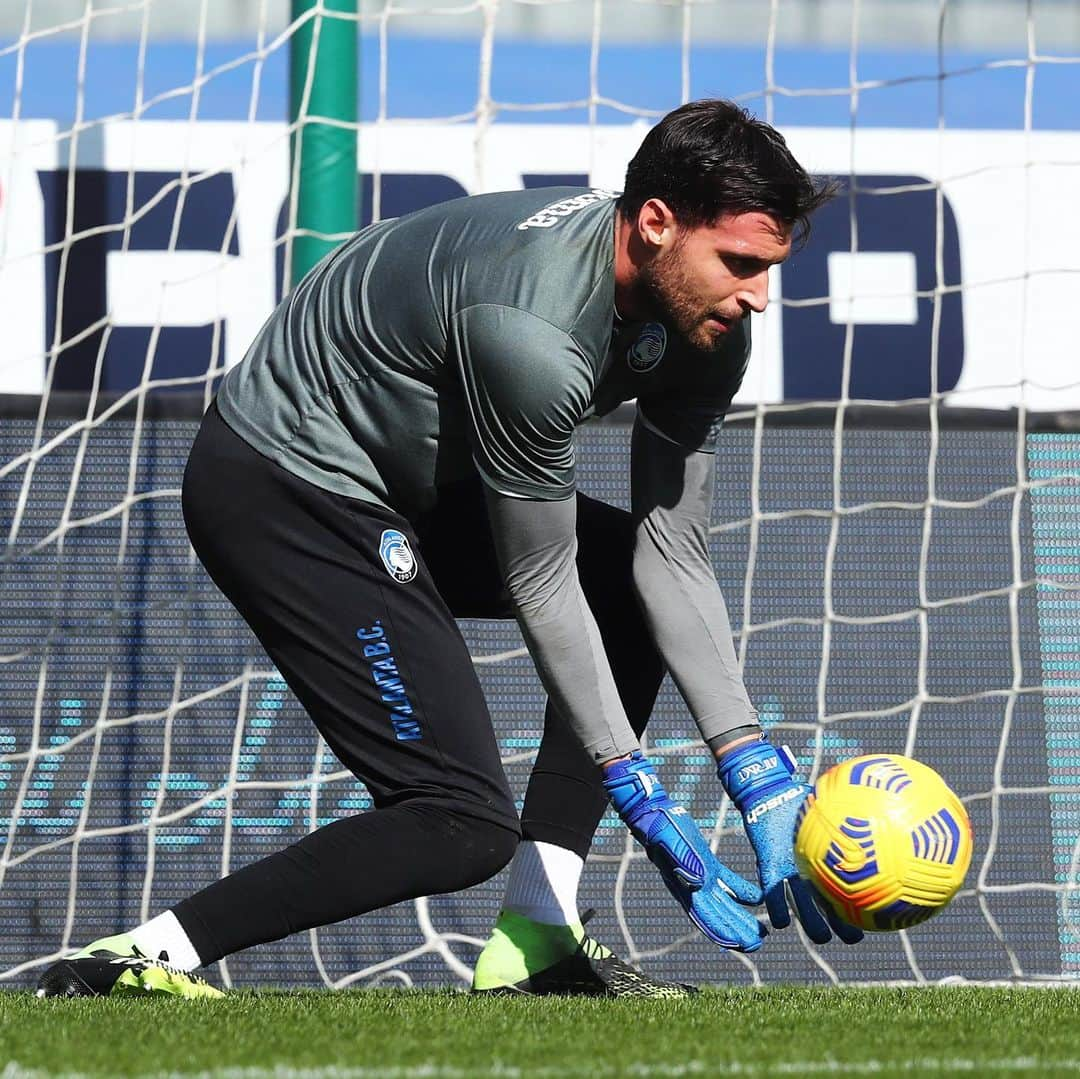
(754, 772)
(633, 787)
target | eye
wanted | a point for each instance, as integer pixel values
(742, 266)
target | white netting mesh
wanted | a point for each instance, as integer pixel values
(898, 581)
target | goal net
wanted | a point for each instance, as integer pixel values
(896, 526)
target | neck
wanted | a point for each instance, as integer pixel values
(627, 301)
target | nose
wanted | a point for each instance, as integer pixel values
(755, 292)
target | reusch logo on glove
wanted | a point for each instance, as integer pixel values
(772, 803)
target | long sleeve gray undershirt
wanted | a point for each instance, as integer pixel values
(673, 577)
(672, 495)
(536, 544)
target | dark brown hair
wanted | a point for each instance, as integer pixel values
(709, 158)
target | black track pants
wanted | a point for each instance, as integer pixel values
(380, 666)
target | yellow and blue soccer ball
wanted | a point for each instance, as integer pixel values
(885, 840)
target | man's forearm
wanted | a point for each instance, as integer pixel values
(686, 614)
(673, 575)
(537, 546)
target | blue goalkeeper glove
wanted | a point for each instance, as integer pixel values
(706, 889)
(759, 780)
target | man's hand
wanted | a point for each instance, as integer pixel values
(759, 780)
(706, 889)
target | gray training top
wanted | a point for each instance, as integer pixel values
(474, 336)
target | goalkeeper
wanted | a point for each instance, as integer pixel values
(396, 450)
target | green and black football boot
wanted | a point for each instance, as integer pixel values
(112, 967)
(534, 959)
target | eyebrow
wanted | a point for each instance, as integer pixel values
(774, 237)
(754, 258)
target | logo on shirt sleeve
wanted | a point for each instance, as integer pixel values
(648, 350)
(397, 556)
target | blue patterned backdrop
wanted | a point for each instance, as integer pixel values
(132, 692)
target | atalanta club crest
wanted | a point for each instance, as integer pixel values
(397, 556)
(648, 350)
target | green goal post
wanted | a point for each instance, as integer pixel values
(323, 95)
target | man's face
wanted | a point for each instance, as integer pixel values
(704, 280)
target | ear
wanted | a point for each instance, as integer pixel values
(656, 223)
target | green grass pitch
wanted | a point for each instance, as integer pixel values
(414, 1035)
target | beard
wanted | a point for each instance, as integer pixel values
(666, 287)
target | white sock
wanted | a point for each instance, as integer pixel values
(543, 883)
(165, 934)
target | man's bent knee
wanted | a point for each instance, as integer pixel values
(486, 847)
(480, 846)
(496, 847)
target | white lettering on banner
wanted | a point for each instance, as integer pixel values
(26, 148)
(192, 288)
(1009, 191)
(173, 288)
(1019, 249)
(872, 287)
